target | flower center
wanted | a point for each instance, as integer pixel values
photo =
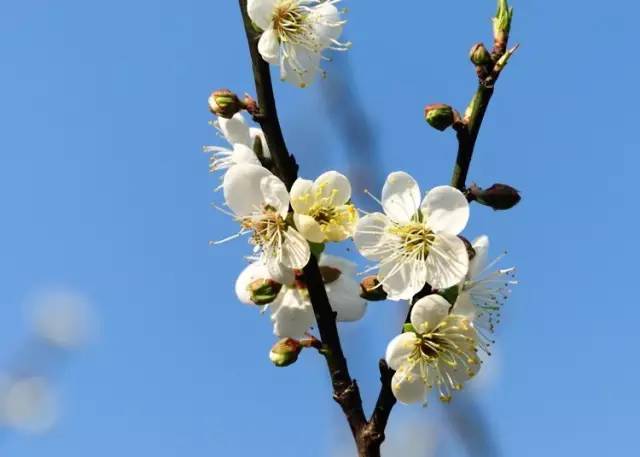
(451, 341)
(290, 22)
(415, 237)
(323, 214)
(268, 229)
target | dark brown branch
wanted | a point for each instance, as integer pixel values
(345, 389)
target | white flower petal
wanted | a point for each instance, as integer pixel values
(253, 272)
(400, 197)
(269, 46)
(309, 228)
(479, 262)
(447, 262)
(301, 196)
(402, 280)
(464, 306)
(428, 312)
(446, 210)
(261, 12)
(370, 235)
(345, 266)
(399, 349)
(327, 23)
(280, 273)
(293, 315)
(235, 130)
(243, 190)
(295, 250)
(243, 154)
(300, 67)
(257, 133)
(275, 194)
(334, 186)
(344, 296)
(408, 386)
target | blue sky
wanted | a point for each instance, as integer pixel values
(105, 191)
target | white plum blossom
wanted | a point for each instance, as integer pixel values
(295, 33)
(291, 311)
(415, 242)
(322, 208)
(441, 352)
(260, 202)
(483, 292)
(242, 140)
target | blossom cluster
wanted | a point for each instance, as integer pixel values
(414, 242)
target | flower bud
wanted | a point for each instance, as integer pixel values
(225, 103)
(504, 14)
(285, 352)
(498, 196)
(371, 289)
(479, 55)
(439, 116)
(264, 291)
(502, 25)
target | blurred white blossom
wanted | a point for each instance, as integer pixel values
(27, 404)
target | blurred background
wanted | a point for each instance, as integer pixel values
(119, 330)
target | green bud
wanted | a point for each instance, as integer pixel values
(498, 196)
(502, 20)
(371, 289)
(285, 352)
(439, 116)
(225, 103)
(479, 55)
(264, 291)
(502, 26)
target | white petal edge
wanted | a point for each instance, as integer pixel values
(295, 250)
(269, 46)
(301, 196)
(400, 196)
(428, 312)
(235, 130)
(370, 235)
(333, 184)
(399, 349)
(479, 262)
(309, 228)
(447, 262)
(261, 12)
(402, 281)
(292, 316)
(242, 187)
(408, 386)
(446, 210)
(344, 296)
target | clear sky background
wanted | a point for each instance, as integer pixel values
(104, 191)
